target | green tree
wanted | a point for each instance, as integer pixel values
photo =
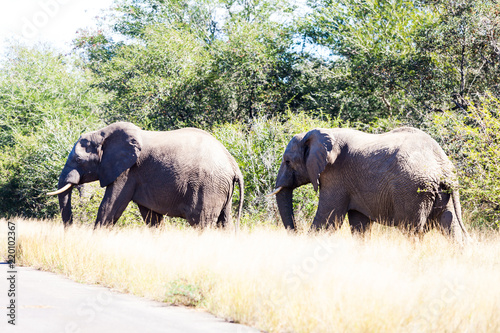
(472, 140)
(45, 103)
(406, 58)
(235, 63)
(462, 52)
(373, 53)
(157, 83)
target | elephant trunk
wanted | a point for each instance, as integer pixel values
(285, 206)
(65, 207)
(71, 177)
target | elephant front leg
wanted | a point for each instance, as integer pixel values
(116, 199)
(332, 209)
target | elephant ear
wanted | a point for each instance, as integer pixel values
(318, 152)
(120, 150)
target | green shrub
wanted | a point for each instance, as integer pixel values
(472, 140)
(258, 147)
(45, 104)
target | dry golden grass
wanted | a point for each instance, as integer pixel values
(279, 282)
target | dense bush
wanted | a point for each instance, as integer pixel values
(472, 140)
(258, 148)
(45, 103)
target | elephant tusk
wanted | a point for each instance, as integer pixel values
(275, 191)
(61, 190)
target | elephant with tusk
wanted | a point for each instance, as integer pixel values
(181, 173)
(401, 178)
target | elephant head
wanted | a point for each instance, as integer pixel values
(101, 155)
(305, 158)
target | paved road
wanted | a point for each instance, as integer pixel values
(47, 302)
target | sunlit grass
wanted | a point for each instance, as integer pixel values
(281, 282)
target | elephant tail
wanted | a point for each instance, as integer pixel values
(458, 213)
(239, 179)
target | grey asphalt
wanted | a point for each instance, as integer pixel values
(48, 302)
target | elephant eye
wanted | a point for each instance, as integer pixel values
(287, 162)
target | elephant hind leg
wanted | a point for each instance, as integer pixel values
(202, 218)
(360, 223)
(151, 218)
(447, 214)
(412, 214)
(224, 218)
(449, 224)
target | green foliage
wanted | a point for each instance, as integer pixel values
(95, 48)
(373, 44)
(156, 84)
(353, 28)
(172, 79)
(472, 140)
(405, 58)
(44, 106)
(132, 17)
(461, 48)
(176, 71)
(258, 147)
(254, 71)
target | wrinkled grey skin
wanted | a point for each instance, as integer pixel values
(401, 178)
(182, 173)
